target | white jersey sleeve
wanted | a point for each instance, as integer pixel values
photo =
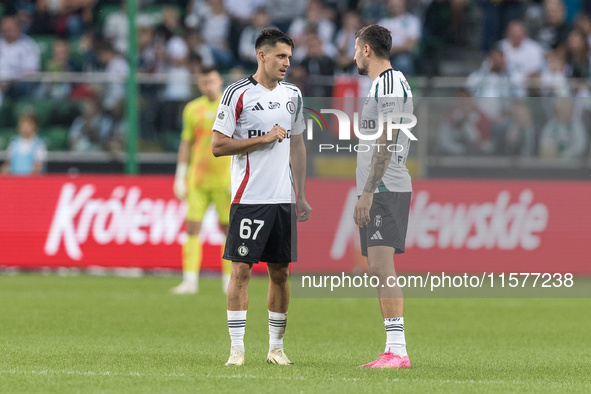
(226, 117)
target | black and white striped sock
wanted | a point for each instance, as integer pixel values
(395, 341)
(237, 328)
(277, 323)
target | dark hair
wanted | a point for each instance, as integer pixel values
(271, 36)
(207, 70)
(378, 38)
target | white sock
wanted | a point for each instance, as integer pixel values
(395, 341)
(277, 323)
(190, 277)
(237, 328)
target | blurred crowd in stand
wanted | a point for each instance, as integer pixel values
(530, 49)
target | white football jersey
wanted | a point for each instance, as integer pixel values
(249, 110)
(389, 93)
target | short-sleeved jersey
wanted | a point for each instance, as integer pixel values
(249, 110)
(389, 93)
(205, 170)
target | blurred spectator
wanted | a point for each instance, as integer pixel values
(316, 18)
(199, 48)
(318, 67)
(578, 55)
(524, 56)
(19, 55)
(90, 132)
(24, 11)
(249, 35)
(62, 17)
(466, 131)
(116, 69)
(116, 27)
(283, 12)
(88, 55)
(497, 14)
(583, 23)
(60, 62)
(243, 11)
(516, 137)
(563, 136)
(372, 10)
(491, 85)
(406, 32)
(146, 47)
(215, 31)
(27, 154)
(554, 29)
(554, 82)
(177, 89)
(345, 40)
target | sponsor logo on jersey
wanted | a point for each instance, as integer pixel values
(258, 133)
(258, 107)
(242, 250)
(274, 105)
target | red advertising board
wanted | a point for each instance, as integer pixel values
(455, 225)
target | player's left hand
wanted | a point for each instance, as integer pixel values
(361, 213)
(303, 210)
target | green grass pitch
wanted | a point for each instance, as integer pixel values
(116, 335)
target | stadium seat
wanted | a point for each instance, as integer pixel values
(6, 114)
(45, 44)
(170, 140)
(1, 10)
(55, 138)
(6, 135)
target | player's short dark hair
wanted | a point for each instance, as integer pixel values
(378, 38)
(208, 70)
(271, 36)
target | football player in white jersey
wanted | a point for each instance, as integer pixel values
(383, 183)
(260, 123)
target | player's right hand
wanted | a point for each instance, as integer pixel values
(276, 133)
(180, 181)
(180, 188)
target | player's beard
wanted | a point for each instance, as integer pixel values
(361, 70)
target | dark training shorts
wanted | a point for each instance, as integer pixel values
(388, 221)
(262, 232)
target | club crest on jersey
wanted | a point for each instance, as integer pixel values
(274, 105)
(378, 221)
(242, 250)
(291, 108)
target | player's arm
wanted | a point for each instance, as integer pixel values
(379, 164)
(183, 156)
(222, 145)
(298, 169)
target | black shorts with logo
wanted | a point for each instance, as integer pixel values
(262, 232)
(388, 221)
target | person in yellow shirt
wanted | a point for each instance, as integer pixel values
(201, 178)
